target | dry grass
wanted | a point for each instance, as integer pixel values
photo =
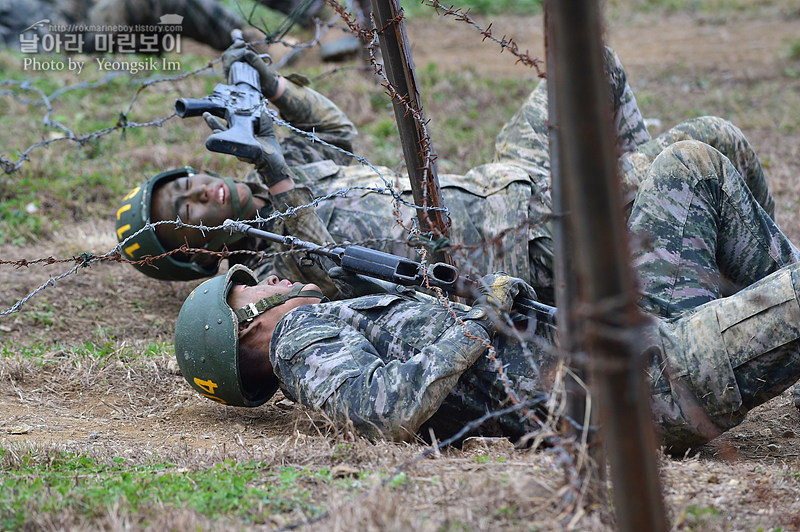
(123, 403)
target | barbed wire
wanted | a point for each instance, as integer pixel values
(426, 153)
(9, 166)
(505, 43)
(543, 421)
(87, 258)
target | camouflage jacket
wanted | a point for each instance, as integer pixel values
(488, 210)
(389, 363)
(394, 364)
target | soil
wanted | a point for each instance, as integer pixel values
(749, 477)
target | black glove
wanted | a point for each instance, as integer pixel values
(352, 285)
(271, 165)
(239, 51)
(499, 290)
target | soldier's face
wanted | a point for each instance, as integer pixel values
(241, 295)
(196, 199)
(259, 333)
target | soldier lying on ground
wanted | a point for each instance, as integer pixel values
(299, 105)
(398, 364)
(490, 200)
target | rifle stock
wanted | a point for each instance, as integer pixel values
(399, 270)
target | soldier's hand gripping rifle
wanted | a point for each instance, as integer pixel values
(399, 270)
(239, 103)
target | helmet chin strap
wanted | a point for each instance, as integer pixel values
(239, 212)
(252, 310)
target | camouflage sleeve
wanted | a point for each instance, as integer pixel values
(308, 110)
(326, 364)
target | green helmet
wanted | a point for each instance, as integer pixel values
(134, 213)
(207, 338)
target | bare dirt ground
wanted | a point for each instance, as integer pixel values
(749, 477)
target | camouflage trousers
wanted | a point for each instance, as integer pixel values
(693, 219)
(717, 133)
(715, 359)
(633, 165)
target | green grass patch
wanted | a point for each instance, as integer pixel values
(58, 128)
(697, 517)
(793, 50)
(102, 350)
(37, 482)
(157, 349)
(33, 351)
(713, 7)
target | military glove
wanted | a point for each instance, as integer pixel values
(239, 51)
(271, 165)
(500, 289)
(352, 285)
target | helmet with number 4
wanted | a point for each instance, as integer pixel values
(207, 341)
(134, 214)
(207, 338)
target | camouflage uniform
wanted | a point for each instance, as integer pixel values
(500, 211)
(486, 207)
(714, 359)
(309, 111)
(394, 365)
(206, 21)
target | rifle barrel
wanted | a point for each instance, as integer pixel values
(400, 270)
(288, 240)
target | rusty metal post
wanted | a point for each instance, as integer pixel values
(566, 292)
(586, 163)
(417, 146)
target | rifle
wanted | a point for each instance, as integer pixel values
(239, 103)
(399, 270)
